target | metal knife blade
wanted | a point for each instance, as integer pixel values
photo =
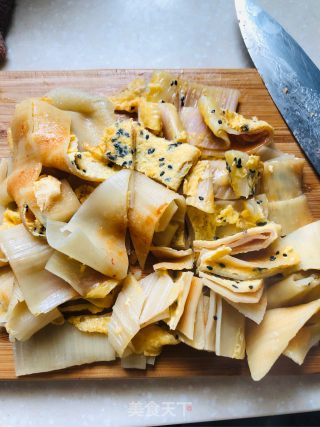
(290, 76)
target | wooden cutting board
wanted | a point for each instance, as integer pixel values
(179, 361)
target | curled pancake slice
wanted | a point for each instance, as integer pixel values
(253, 239)
(95, 235)
(267, 341)
(153, 207)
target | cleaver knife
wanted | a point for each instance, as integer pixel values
(290, 76)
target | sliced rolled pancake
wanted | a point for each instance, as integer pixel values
(221, 183)
(199, 135)
(231, 126)
(245, 291)
(21, 188)
(7, 289)
(125, 323)
(299, 346)
(267, 341)
(177, 309)
(90, 114)
(230, 331)
(152, 209)
(27, 257)
(282, 177)
(172, 259)
(58, 347)
(5, 171)
(86, 281)
(166, 87)
(22, 324)
(255, 311)
(253, 239)
(149, 116)
(165, 161)
(245, 296)
(204, 324)
(128, 99)
(117, 144)
(186, 323)
(244, 172)
(95, 235)
(306, 242)
(160, 293)
(232, 216)
(220, 262)
(43, 198)
(172, 125)
(292, 290)
(290, 214)
(41, 133)
(198, 187)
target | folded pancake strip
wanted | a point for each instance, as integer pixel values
(267, 341)
(95, 235)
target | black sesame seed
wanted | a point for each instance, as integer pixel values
(167, 179)
(201, 198)
(272, 258)
(216, 238)
(285, 255)
(170, 167)
(147, 136)
(213, 111)
(162, 173)
(161, 159)
(182, 101)
(220, 122)
(221, 264)
(250, 287)
(111, 157)
(176, 82)
(235, 286)
(124, 163)
(141, 132)
(209, 267)
(277, 253)
(79, 156)
(161, 164)
(259, 202)
(151, 150)
(239, 164)
(132, 107)
(173, 145)
(244, 128)
(162, 101)
(84, 170)
(172, 83)
(261, 223)
(215, 317)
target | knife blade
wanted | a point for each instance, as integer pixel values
(290, 76)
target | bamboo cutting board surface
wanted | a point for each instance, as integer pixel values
(178, 361)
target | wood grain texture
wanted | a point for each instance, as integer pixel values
(179, 361)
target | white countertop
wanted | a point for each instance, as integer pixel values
(80, 34)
